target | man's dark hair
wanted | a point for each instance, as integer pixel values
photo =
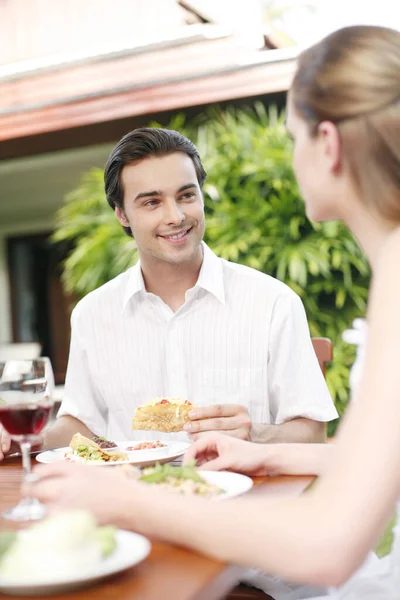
(144, 143)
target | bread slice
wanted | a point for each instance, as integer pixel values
(165, 415)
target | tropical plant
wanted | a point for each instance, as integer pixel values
(100, 249)
(255, 216)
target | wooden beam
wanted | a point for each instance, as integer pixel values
(252, 81)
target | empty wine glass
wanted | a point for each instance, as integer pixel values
(26, 397)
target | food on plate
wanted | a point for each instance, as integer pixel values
(103, 442)
(185, 480)
(6, 539)
(147, 445)
(85, 450)
(162, 414)
(67, 544)
(106, 538)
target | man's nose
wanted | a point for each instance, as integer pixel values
(173, 213)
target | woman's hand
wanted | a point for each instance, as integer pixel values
(100, 490)
(217, 452)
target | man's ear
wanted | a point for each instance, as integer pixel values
(331, 144)
(120, 214)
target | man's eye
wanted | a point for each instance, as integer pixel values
(188, 196)
(151, 203)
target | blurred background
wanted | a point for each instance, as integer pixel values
(75, 76)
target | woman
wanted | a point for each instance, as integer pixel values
(344, 117)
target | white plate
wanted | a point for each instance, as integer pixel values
(233, 484)
(131, 549)
(141, 458)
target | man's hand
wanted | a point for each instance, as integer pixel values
(56, 436)
(215, 451)
(231, 419)
(5, 442)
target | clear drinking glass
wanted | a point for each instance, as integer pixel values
(26, 398)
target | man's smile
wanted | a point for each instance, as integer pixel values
(178, 237)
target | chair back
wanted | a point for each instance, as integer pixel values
(324, 351)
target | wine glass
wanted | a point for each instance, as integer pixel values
(26, 398)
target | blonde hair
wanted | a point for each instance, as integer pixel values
(352, 78)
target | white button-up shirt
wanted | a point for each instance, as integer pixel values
(240, 337)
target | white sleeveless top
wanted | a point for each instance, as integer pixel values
(377, 579)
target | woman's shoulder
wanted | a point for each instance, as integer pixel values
(385, 291)
(392, 242)
(390, 252)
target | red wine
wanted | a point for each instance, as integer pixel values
(24, 419)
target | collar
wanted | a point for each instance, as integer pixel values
(210, 278)
(135, 284)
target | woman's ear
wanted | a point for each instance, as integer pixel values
(329, 137)
(120, 214)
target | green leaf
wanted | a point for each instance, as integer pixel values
(106, 536)
(7, 539)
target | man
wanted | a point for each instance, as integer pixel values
(182, 322)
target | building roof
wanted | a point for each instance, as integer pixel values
(163, 79)
(192, 65)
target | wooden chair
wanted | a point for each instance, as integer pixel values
(244, 592)
(324, 351)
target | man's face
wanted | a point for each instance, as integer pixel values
(163, 206)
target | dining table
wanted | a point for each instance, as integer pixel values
(169, 571)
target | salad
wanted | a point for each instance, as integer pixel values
(60, 546)
(185, 480)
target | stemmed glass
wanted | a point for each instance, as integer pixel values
(26, 398)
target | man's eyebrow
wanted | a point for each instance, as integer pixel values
(147, 194)
(188, 186)
(153, 193)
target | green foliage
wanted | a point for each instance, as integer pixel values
(100, 248)
(255, 216)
